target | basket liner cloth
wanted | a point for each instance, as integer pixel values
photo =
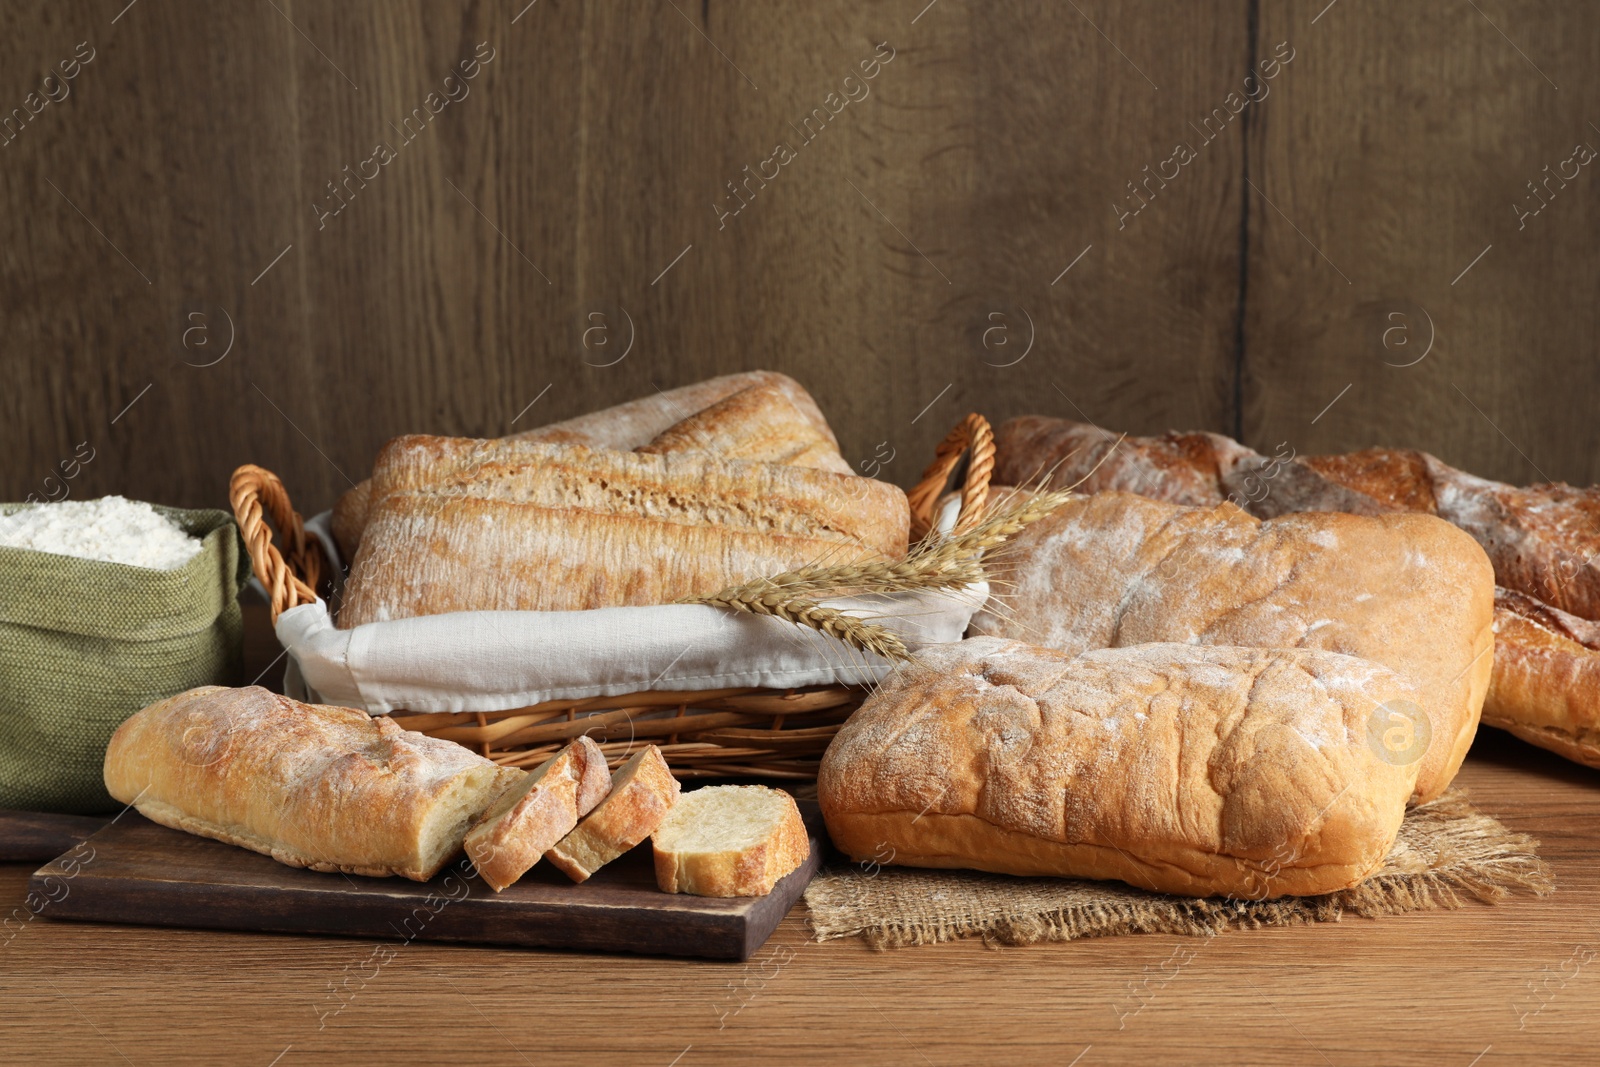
(86, 643)
(501, 660)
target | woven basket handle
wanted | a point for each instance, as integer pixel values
(972, 435)
(257, 494)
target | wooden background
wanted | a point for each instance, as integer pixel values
(907, 264)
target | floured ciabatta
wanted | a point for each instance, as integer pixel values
(466, 525)
(1408, 591)
(1191, 770)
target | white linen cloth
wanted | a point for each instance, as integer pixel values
(500, 660)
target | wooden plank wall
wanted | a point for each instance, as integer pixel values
(984, 224)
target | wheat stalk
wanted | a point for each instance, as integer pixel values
(935, 563)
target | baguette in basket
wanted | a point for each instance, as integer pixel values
(466, 525)
(756, 415)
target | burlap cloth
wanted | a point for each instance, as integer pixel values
(85, 643)
(1447, 852)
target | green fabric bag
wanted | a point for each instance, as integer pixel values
(84, 644)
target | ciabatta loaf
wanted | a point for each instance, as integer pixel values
(539, 811)
(729, 841)
(621, 427)
(643, 790)
(1546, 685)
(760, 424)
(563, 527)
(309, 785)
(1191, 770)
(1408, 591)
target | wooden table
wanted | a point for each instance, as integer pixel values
(1433, 988)
(1519, 982)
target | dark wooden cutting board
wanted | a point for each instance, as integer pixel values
(134, 871)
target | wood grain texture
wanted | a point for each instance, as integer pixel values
(133, 870)
(1426, 988)
(1390, 159)
(34, 836)
(894, 264)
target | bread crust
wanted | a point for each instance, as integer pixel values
(1177, 768)
(1546, 685)
(531, 816)
(758, 424)
(643, 790)
(560, 528)
(622, 427)
(746, 872)
(1180, 468)
(1408, 591)
(309, 785)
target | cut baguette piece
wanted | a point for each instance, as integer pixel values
(310, 785)
(537, 812)
(643, 790)
(729, 841)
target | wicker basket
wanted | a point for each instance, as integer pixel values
(762, 733)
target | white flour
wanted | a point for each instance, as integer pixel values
(112, 528)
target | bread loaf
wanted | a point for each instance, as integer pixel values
(643, 790)
(1181, 468)
(1191, 770)
(1543, 541)
(759, 424)
(729, 841)
(621, 427)
(309, 785)
(1407, 591)
(539, 811)
(562, 527)
(1546, 684)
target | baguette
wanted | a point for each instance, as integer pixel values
(1408, 591)
(1180, 468)
(643, 790)
(759, 424)
(561, 527)
(1546, 684)
(533, 815)
(309, 785)
(1176, 768)
(729, 841)
(621, 427)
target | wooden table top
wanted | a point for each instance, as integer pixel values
(1518, 982)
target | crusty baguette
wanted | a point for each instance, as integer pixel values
(621, 427)
(540, 810)
(563, 527)
(1180, 468)
(631, 424)
(1408, 591)
(759, 424)
(309, 785)
(643, 790)
(1546, 685)
(1176, 768)
(729, 841)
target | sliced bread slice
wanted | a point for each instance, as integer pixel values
(643, 790)
(729, 841)
(537, 812)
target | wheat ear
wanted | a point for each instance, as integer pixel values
(950, 563)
